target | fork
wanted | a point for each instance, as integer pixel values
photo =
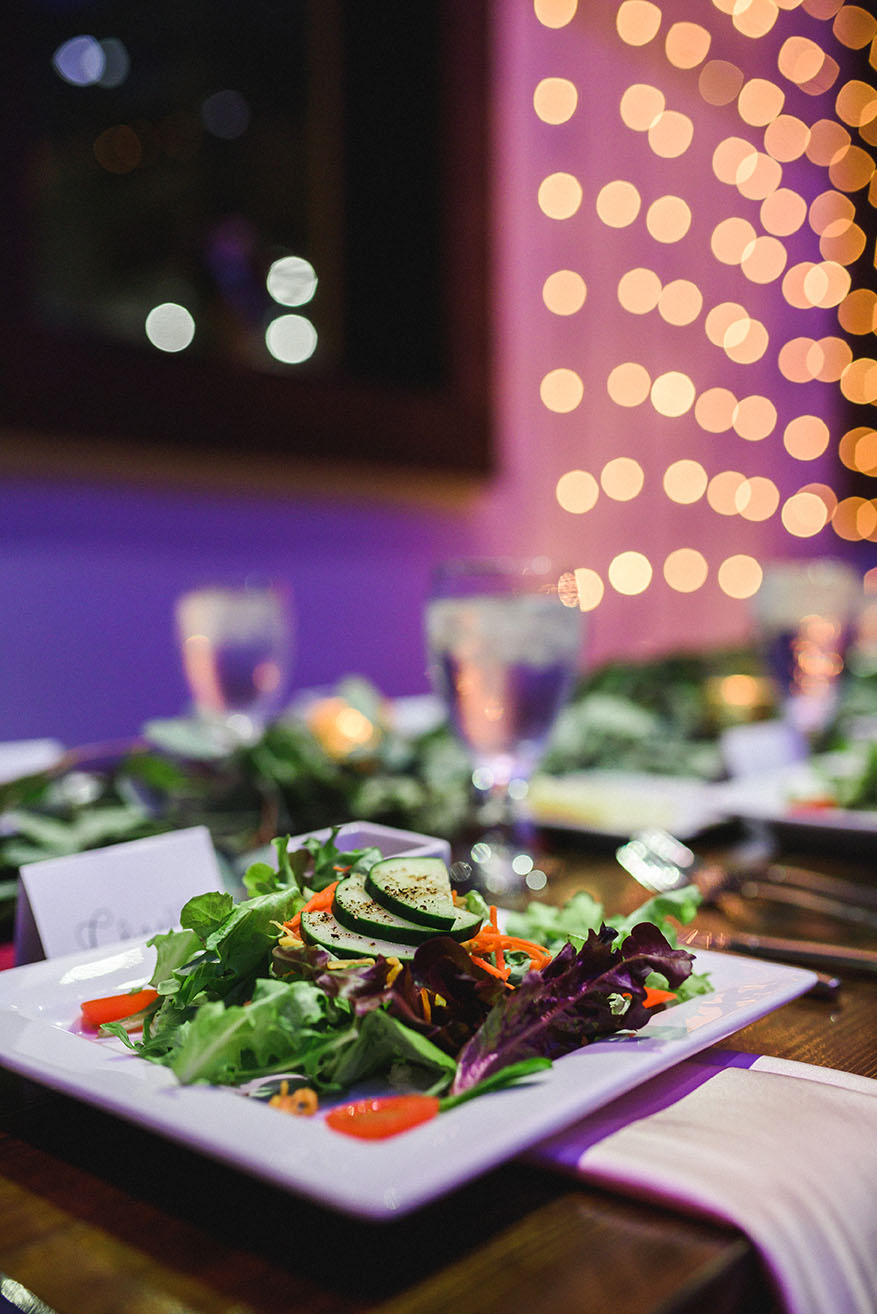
(660, 862)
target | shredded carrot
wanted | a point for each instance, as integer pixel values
(302, 1102)
(424, 1000)
(494, 971)
(498, 956)
(490, 940)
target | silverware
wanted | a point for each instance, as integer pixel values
(660, 862)
(833, 957)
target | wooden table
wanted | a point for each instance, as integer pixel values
(98, 1217)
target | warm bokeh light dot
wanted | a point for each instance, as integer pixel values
(726, 321)
(680, 302)
(555, 13)
(765, 177)
(637, 22)
(764, 259)
(672, 393)
(622, 478)
(794, 283)
(628, 384)
(828, 358)
(641, 106)
(754, 418)
(783, 212)
(687, 44)
(719, 82)
(555, 100)
(859, 381)
(714, 410)
(760, 101)
(747, 347)
(577, 491)
(564, 292)
(800, 59)
(829, 142)
(827, 208)
(685, 570)
(854, 27)
(804, 514)
(639, 291)
(792, 360)
(826, 284)
(560, 195)
(865, 452)
(733, 159)
(561, 390)
(842, 241)
(857, 313)
(854, 518)
(618, 203)
(851, 169)
(786, 139)
(754, 18)
(671, 134)
(858, 449)
(685, 481)
(731, 238)
(668, 219)
(590, 588)
(806, 437)
(721, 492)
(856, 103)
(757, 498)
(740, 576)
(630, 573)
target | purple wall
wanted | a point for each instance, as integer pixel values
(88, 576)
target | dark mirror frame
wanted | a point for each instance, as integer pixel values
(71, 396)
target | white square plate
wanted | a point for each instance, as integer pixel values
(617, 803)
(41, 1039)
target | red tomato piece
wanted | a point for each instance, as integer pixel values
(113, 1008)
(376, 1119)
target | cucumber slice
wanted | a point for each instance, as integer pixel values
(416, 888)
(321, 928)
(357, 911)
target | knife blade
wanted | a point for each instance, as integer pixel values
(810, 953)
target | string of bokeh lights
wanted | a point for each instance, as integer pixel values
(821, 284)
(123, 148)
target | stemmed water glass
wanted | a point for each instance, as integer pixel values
(804, 616)
(236, 647)
(504, 640)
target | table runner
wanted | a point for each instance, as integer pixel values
(785, 1151)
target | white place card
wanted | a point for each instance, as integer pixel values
(103, 896)
(759, 746)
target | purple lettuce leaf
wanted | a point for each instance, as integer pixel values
(578, 997)
(363, 987)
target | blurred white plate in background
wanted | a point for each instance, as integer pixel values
(615, 803)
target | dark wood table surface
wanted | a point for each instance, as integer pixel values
(100, 1217)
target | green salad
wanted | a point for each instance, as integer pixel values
(345, 967)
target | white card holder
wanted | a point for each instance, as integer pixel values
(104, 896)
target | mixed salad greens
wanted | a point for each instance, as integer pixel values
(242, 991)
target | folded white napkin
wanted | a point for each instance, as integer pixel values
(785, 1151)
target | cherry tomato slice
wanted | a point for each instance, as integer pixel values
(376, 1119)
(113, 1008)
